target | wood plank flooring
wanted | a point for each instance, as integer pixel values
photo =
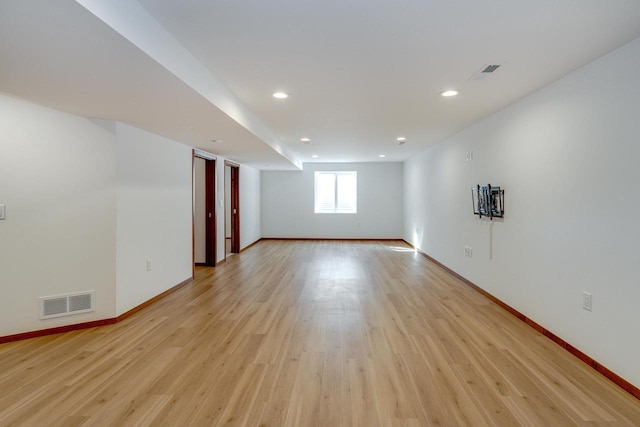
(310, 333)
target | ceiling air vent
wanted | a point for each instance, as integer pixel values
(67, 304)
(485, 71)
(491, 68)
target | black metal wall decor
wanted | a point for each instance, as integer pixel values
(488, 201)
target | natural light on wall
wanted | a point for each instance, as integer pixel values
(336, 192)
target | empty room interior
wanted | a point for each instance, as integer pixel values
(305, 213)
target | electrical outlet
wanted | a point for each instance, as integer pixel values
(468, 251)
(148, 265)
(3, 212)
(469, 155)
(586, 301)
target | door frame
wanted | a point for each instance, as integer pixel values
(234, 208)
(210, 207)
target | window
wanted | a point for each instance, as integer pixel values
(336, 192)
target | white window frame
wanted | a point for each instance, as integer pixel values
(318, 209)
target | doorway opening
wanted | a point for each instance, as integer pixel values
(232, 207)
(204, 212)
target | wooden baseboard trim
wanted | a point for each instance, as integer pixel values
(94, 323)
(604, 371)
(57, 330)
(154, 299)
(250, 245)
(337, 239)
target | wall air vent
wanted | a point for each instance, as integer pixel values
(485, 71)
(67, 304)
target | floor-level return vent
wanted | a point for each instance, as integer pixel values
(66, 305)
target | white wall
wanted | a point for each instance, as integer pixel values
(88, 202)
(250, 229)
(220, 209)
(200, 206)
(287, 200)
(567, 159)
(57, 179)
(154, 215)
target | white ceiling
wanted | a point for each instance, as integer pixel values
(360, 72)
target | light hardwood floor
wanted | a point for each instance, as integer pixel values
(299, 333)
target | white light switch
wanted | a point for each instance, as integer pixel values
(469, 156)
(3, 211)
(587, 301)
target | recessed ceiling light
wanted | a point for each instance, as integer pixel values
(305, 140)
(280, 95)
(448, 93)
(401, 138)
(315, 156)
(215, 141)
(382, 156)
